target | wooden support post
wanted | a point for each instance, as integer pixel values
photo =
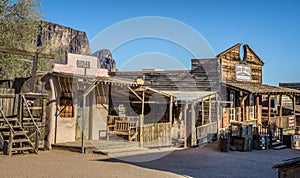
(193, 126)
(185, 125)
(33, 72)
(280, 111)
(37, 142)
(9, 147)
(142, 121)
(171, 110)
(20, 109)
(52, 115)
(256, 108)
(209, 113)
(294, 108)
(269, 108)
(202, 111)
(243, 113)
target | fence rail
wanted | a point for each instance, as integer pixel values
(206, 132)
(157, 135)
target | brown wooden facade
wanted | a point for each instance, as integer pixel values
(250, 100)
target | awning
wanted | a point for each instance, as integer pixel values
(190, 96)
(257, 88)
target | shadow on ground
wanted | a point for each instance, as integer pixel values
(208, 161)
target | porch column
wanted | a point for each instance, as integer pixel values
(269, 108)
(202, 110)
(52, 105)
(256, 111)
(142, 120)
(243, 113)
(185, 125)
(294, 108)
(171, 110)
(209, 113)
(193, 126)
(280, 110)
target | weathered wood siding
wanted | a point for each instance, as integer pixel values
(7, 102)
(231, 57)
(157, 135)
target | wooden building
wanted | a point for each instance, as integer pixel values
(251, 100)
(196, 111)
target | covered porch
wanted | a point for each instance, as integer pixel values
(259, 104)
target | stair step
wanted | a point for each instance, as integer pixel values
(35, 108)
(17, 133)
(7, 127)
(274, 144)
(22, 149)
(20, 140)
(280, 147)
(9, 119)
(29, 119)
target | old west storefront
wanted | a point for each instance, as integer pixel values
(250, 100)
(84, 99)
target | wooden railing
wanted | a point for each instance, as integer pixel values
(157, 135)
(283, 123)
(206, 132)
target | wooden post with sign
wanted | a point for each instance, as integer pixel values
(85, 65)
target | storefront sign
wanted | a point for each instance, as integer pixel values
(243, 72)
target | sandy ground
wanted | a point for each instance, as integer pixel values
(195, 162)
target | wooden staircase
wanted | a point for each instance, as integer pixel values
(14, 138)
(22, 125)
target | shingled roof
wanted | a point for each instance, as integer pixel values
(257, 88)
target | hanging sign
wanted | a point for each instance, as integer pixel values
(243, 72)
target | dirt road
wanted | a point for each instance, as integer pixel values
(195, 162)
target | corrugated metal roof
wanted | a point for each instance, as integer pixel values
(189, 96)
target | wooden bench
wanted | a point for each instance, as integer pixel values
(117, 126)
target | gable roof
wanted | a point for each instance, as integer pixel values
(247, 47)
(229, 49)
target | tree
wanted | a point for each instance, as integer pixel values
(19, 28)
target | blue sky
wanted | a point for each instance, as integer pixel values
(271, 28)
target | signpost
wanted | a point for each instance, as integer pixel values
(85, 65)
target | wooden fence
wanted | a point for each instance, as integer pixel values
(285, 123)
(157, 135)
(7, 102)
(206, 132)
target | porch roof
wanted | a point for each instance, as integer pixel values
(189, 95)
(257, 88)
(98, 79)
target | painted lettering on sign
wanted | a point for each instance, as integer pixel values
(243, 72)
(83, 64)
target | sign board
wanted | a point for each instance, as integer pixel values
(243, 73)
(83, 64)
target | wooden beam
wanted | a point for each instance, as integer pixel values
(269, 108)
(185, 125)
(202, 111)
(209, 113)
(257, 112)
(25, 53)
(142, 121)
(280, 110)
(135, 93)
(294, 108)
(171, 110)
(193, 126)
(243, 108)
